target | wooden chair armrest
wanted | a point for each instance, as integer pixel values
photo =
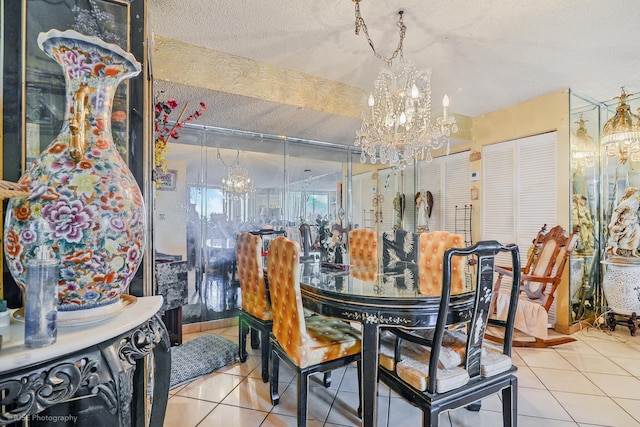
(505, 271)
(542, 279)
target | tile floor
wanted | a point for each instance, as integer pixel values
(594, 381)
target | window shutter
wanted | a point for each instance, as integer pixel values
(498, 192)
(456, 192)
(519, 183)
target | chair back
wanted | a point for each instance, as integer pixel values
(283, 264)
(363, 249)
(433, 245)
(255, 299)
(549, 255)
(399, 247)
(484, 253)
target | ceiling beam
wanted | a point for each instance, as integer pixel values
(187, 64)
(197, 66)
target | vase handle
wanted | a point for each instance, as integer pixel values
(76, 124)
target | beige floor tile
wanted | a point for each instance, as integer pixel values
(241, 369)
(526, 378)
(632, 406)
(540, 403)
(233, 416)
(618, 349)
(462, 417)
(251, 393)
(402, 413)
(319, 401)
(185, 412)
(579, 347)
(279, 420)
(524, 421)
(593, 363)
(543, 358)
(598, 410)
(344, 411)
(569, 381)
(616, 385)
(630, 365)
(213, 387)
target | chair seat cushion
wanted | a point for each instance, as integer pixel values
(493, 362)
(329, 339)
(416, 373)
(451, 353)
(414, 365)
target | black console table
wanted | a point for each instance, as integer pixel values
(112, 372)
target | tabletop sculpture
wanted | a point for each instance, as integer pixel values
(624, 228)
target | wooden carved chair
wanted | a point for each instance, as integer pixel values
(449, 366)
(256, 305)
(539, 281)
(307, 345)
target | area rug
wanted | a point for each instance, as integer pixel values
(201, 356)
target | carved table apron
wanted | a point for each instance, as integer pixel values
(375, 300)
(99, 360)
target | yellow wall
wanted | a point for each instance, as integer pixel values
(539, 115)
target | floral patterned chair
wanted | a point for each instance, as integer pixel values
(307, 345)
(449, 366)
(256, 311)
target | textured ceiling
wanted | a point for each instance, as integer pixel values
(485, 54)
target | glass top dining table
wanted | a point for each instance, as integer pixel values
(375, 299)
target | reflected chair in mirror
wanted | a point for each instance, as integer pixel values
(539, 282)
(363, 253)
(399, 250)
(256, 313)
(307, 345)
(450, 366)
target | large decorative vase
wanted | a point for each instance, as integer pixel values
(621, 286)
(84, 202)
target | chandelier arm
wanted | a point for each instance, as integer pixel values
(360, 24)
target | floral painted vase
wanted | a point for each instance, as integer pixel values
(84, 202)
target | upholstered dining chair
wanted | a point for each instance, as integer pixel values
(307, 345)
(433, 244)
(255, 313)
(363, 249)
(449, 366)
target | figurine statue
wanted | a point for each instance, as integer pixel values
(624, 229)
(421, 205)
(582, 218)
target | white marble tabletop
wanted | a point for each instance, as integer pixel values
(14, 355)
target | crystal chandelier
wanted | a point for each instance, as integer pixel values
(621, 134)
(237, 184)
(398, 126)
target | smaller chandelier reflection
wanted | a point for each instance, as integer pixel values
(237, 184)
(621, 134)
(583, 149)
